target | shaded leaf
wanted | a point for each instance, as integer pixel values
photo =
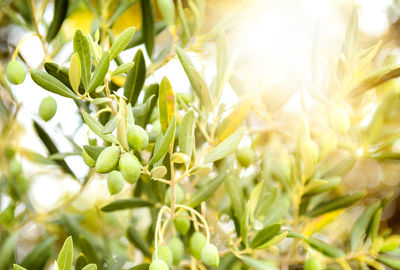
(166, 104)
(325, 248)
(60, 12)
(258, 264)
(135, 238)
(39, 255)
(135, 79)
(82, 47)
(123, 204)
(51, 84)
(165, 143)
(148, 25)
(97, 128)
(7, 248)
(93, 151)
(265, 235)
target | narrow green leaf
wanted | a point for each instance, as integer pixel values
(91, 266)
(97, 128)
(100, 72)
(135, 79)
(82, 47)
(74, 72)
(65, 257)
(148, 25)
(166, 104)
(49, 83)
(121, 42)
(135, 238)
(143, 109)
(265, 235)
(165, 143)
(122, 125)
(360, 228)
(325, 248)
(226, 147)
(60, 12)
(110, 126)
(93, 151)
(38, 256)
(98, 101)
(7, 248)
(61, 74)
(186, 138)
(88, 249)
(80, 262)
(336, 203)
(393, 262)
(204, 193)
(197, 82)
(122, 69)
(138, 38)
(167, 10)
(61, 156)
(236, 194)
(374, 226)
(258, 264)
(142, 266)
(126, 204)
(17, 267)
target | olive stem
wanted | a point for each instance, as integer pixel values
(158, 224)
(16, 51)
(199, 216)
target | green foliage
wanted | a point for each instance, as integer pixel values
(183, 166)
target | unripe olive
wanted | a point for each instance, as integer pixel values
(47, 108)
(158, 265)
(15, 167)
(15, 72)
(209, 255)
(179, 195)
(137, 138)
(88, 159)
(177, 248)
(196, 243)
(182, 224)
(245, 156)
(130, 167)
(165, 254)
(312, 264)
(115, 182)
(108, 159)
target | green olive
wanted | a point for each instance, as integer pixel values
(137, 138)
(245, 156)
(130, 167)
(108, 159)
(47, 108)
(165, 254)
(15, 167)
(312, 264)
(180, 195)
(209, 255)
(196, 243)
(88, 159)
(182, 224)
(177, 248)
(15, 72)
(115, 182)
(158, 265)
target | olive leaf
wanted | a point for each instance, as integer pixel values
(7, 248)
(336, 203)
(49, 83)
(110, 126)
(167, 10)
(61, 74)
(374, 226)
(360, 228)
(143, 109)
(65, 256)
(99, 73)
(166, 103)
(93, 151)
(158, 172)
(90, 267)
(234, 119)
(102, 100)
(325, 248)
(258, 264)
(60, 13)
(135, 238)
(236, 194)
(82, 47)
(135, 78)
(165, 143)
(37, 257)
(186, 138)
(391, 261)
(17, 267)
(74, 72)
(265, 235)
(97, 128)
(204, 193)
(122, 69)
(121, 42)
(122, 124)
(88, 249)
(123, 204)
(148, 25)
(226, 147)
(198, 84)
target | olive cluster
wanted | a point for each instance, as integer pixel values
(173, 252)
(120, 168)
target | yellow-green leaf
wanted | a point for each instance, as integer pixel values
(74, 72)
(166, 103)
(82, 47)
(49, 83)
(121, 42)
(100, 72)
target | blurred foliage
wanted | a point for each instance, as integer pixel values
(194, 182)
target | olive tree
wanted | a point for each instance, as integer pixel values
(179, 156)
